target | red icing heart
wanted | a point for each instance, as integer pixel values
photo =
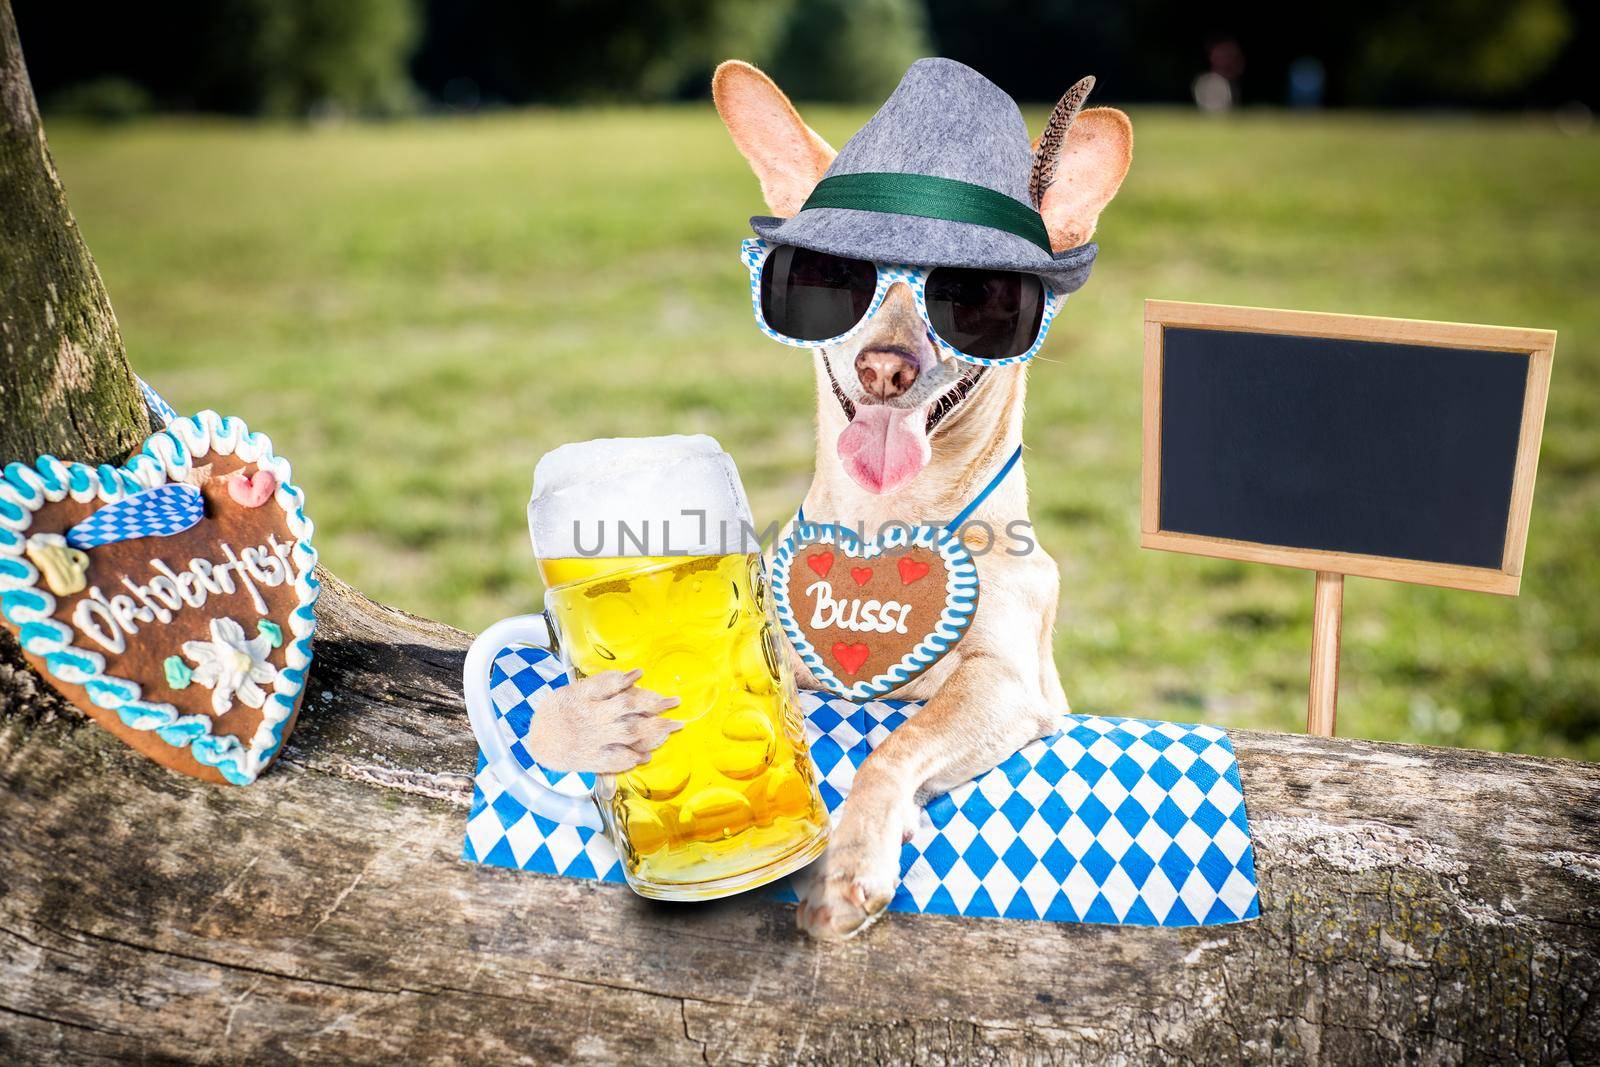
(862, 575)
(850, 657)
(252, 490)
(820, 563)
(911, 570)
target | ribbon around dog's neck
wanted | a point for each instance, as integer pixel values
(925, 196)
(954, 524)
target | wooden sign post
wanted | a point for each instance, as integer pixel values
(1385, 448)
(1327, 619)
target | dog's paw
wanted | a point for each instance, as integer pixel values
(603, 723)
(836, 904)
(844, 891)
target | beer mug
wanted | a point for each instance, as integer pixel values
(649, 561)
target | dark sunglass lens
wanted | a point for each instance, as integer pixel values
(812, 296)
(991, 314)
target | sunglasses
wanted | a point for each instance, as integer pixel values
(814, 300)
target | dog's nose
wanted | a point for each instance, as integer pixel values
(885, 373)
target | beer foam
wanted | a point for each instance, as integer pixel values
(678, 495)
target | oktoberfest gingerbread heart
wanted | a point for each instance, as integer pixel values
(868, 616)
(172, 598)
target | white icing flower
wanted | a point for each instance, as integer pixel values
(230, 664)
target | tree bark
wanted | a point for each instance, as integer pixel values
(1417, 905)
(65, 386)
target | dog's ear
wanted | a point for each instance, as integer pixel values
(786, 154)
(1079, 162)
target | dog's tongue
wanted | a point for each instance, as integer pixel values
(883, 448)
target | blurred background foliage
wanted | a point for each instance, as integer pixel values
(379, 57)
(417, 308)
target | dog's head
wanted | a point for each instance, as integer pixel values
(892, 396)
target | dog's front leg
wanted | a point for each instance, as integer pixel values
(983, 713)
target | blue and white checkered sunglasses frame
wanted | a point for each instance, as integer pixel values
(754, 252)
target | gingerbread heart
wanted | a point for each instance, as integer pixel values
(908, 598)
(185, 624)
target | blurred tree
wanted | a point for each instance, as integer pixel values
(105, 99)
(1464, 50)
(306, 57)
(295, 57)
(1035, 49)
(1571, 81)
(508, 51)
(1383, 52)
(750, 30)
(849, 50)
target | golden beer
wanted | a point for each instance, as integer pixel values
(729, 801)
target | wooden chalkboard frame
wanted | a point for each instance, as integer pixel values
(1537, 345)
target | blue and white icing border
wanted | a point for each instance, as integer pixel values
(167, 456)
(960, 600)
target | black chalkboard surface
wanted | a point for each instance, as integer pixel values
(1350, 446)
(1385, 447)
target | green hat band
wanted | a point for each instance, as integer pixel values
(925, 196)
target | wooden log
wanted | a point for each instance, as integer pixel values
(1417, 904)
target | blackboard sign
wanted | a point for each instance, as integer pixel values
(1388, 448)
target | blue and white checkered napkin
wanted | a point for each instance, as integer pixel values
(155, 403)
(159, 512)
(1108, 821)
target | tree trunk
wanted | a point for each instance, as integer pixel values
(65, 387)
(1417, 904)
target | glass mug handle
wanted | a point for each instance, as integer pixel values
(526, 786)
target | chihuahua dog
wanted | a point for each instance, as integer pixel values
(951, 425)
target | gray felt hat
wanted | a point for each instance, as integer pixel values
(922, 177)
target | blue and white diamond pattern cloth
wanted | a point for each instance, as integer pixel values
(1129, 821)
(158, 512)
(155, 403)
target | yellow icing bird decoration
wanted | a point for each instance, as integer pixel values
(65, 569)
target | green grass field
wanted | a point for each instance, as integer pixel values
(415, 312)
